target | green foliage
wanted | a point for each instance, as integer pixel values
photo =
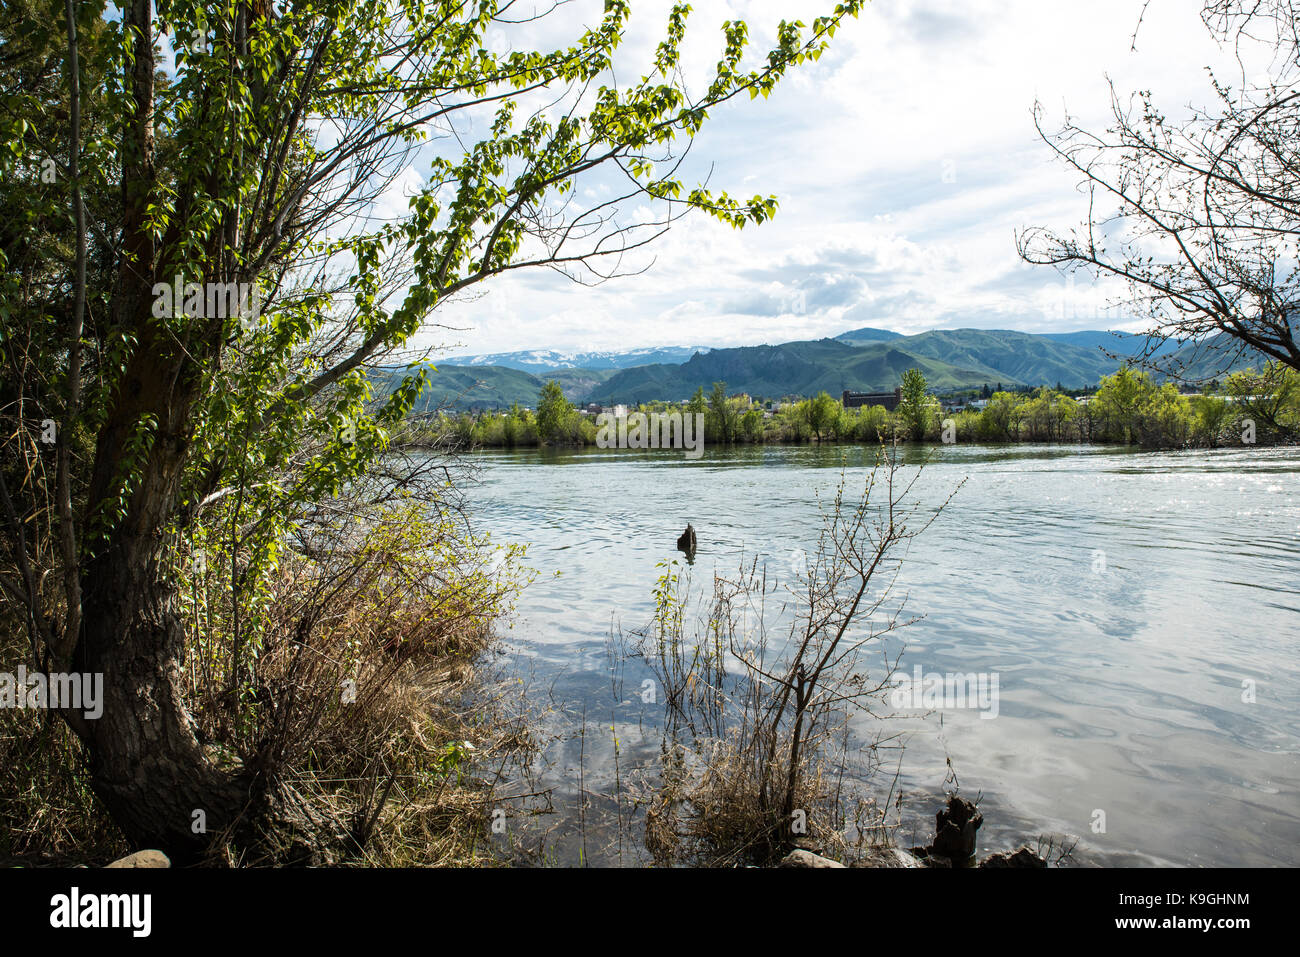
(235, 187)
(1128, 408)
(246, 147)
(1211, 416)
(555, 414)
(720, 420)
(1118, 401)
(1270, 397)
(916, 409)
(697, 404)
(820, 412)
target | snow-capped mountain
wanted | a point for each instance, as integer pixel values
(540, 360)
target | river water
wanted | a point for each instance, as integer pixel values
(1141, 612)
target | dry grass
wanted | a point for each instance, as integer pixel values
(351, 673)
(48, 815)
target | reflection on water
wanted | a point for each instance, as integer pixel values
(1128, 601)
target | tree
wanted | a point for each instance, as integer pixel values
(553, 411)
(916, 407)
(1038, 414)
(1064, 410)
(721, 416)
(1211, 416)
(698, 405)
(999, 421)
(1270, 396)
(820, 412)
(1119, 399)
(230, 291)
(1198, 217)
(1164, 419)
(751, 426)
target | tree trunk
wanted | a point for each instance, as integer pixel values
(147, 764)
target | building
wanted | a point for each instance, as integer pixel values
(889, 400)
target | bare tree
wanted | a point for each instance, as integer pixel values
(772, 714)
(1200, 215)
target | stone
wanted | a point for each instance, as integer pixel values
(802, 858)
(929, 859)
(1021, 857)
(143, 859)
(884, 856)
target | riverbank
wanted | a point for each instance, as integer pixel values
(1128, 408)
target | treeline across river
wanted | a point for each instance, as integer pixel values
(1129, 408)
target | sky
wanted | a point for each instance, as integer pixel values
(904, 161)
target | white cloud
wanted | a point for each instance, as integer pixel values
(904, 160)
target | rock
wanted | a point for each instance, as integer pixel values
(883, 856)
(930, 859)
(1021, 857)
(802, 858)
(143, 859)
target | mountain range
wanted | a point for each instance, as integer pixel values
(547, 360)
(866, 359)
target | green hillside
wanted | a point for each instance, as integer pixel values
(792, 368)
(1006, 356)
(580, 385)
(479, 387)
(493, 387)
(1211, 359)
(867, 335)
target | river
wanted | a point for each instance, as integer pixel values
(1141, 612)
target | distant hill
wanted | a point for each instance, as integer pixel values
(478, 387)
(580, 385)
(792, 368)
(492, 387)
(1121, 343)
(543, 360)
(950, 358)
(1002, 355)
(1209, 359)
(1195, 362)
(868, 335)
